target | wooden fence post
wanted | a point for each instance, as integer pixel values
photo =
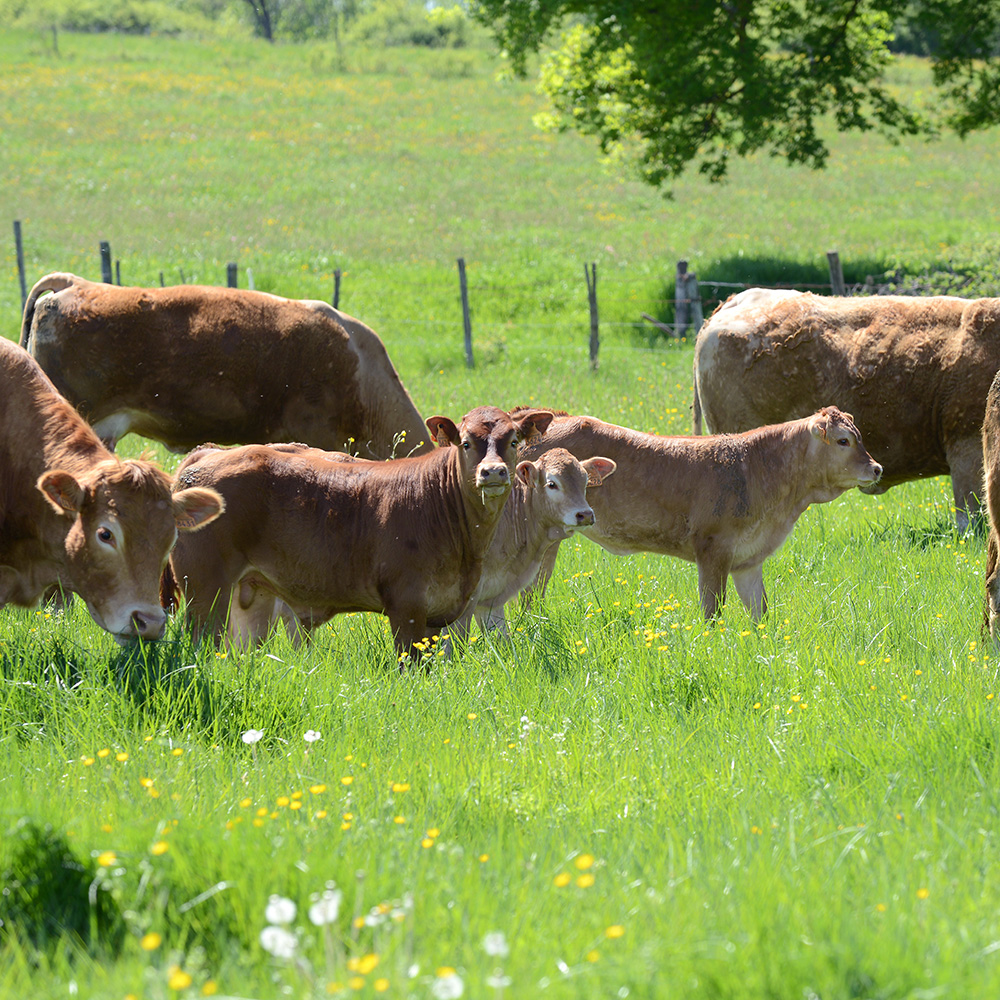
(161, 279)
(836, 273)
(590, 273)
(466, 317)
(232, 273)
(19, 249)
(118, 273)
(106, 262)
(694, 302)
(682, 311)
(336, 288)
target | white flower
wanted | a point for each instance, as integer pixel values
(449, 987)
(325, 910)
(280, 910)
(496, 944)
(311, 736)
(278, 942)
(252, 735)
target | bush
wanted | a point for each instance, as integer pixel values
(401, 22)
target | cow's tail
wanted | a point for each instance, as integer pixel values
(696, 405)
(170, 590)
(54, 282)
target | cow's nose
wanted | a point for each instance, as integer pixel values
(148, 624)
(492, 474)
(584, 517)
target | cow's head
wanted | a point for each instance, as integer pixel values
(487, 442)
(124, 524)
(561, 483)
(841, 451)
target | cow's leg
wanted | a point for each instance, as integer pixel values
(750, 586)
(542, 577)
(992, 609)
(713, 568)
(493, 620)
(408, 622)
(965, 462)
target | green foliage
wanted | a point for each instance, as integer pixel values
(403, 22)
(50, 897)
(677, 85)
(135, 17)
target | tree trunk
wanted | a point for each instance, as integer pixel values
(262, 18)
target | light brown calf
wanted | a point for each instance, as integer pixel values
(74, 517)
(913, 371)
(724, 502)
(190, 363)
(305, 538)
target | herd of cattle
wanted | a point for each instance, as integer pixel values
(254, 534)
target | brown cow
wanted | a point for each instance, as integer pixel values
(75, 517)
(991, 495)
(547, 503)
(724, 502)
(310, 538)
(913, 371)
(189, 364)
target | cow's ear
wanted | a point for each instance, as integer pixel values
(443, 431)
(818, 424)
(196, 507)
(533, 423)
(62, 491)
(528, 473)
(598, 469)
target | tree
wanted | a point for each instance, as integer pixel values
(670, 83)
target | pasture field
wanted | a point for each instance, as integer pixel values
(623, 801)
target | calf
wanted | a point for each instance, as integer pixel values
(76, 518)
(305, 538)
(548, 503)
(724, 502)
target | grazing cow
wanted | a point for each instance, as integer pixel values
(913, 371)
(991, 495)
(75, 517)
(306, 538)
(189, 364)
(724, 502)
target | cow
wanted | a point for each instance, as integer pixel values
(725, 502)
(914, 372)
(305, 538)
(991, 495)
(74, 518)
(547, 504)
(188, 364)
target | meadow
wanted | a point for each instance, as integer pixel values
(622, 801)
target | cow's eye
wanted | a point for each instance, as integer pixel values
(844, 442)
(466, 445)
(105, 535)
(552, 485)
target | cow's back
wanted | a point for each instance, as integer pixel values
(189, 363)
(912, 371)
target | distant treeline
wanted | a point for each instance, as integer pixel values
(367, 22)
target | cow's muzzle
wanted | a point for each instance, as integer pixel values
(492, 479)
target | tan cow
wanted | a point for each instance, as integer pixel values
(75, 517)
(991, 495)
(310, 538)
(913, 371)
(724, 502)
(189, 364)
(548, 503)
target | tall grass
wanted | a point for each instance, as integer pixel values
(642, 805)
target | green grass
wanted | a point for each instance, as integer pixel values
(803, 809)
